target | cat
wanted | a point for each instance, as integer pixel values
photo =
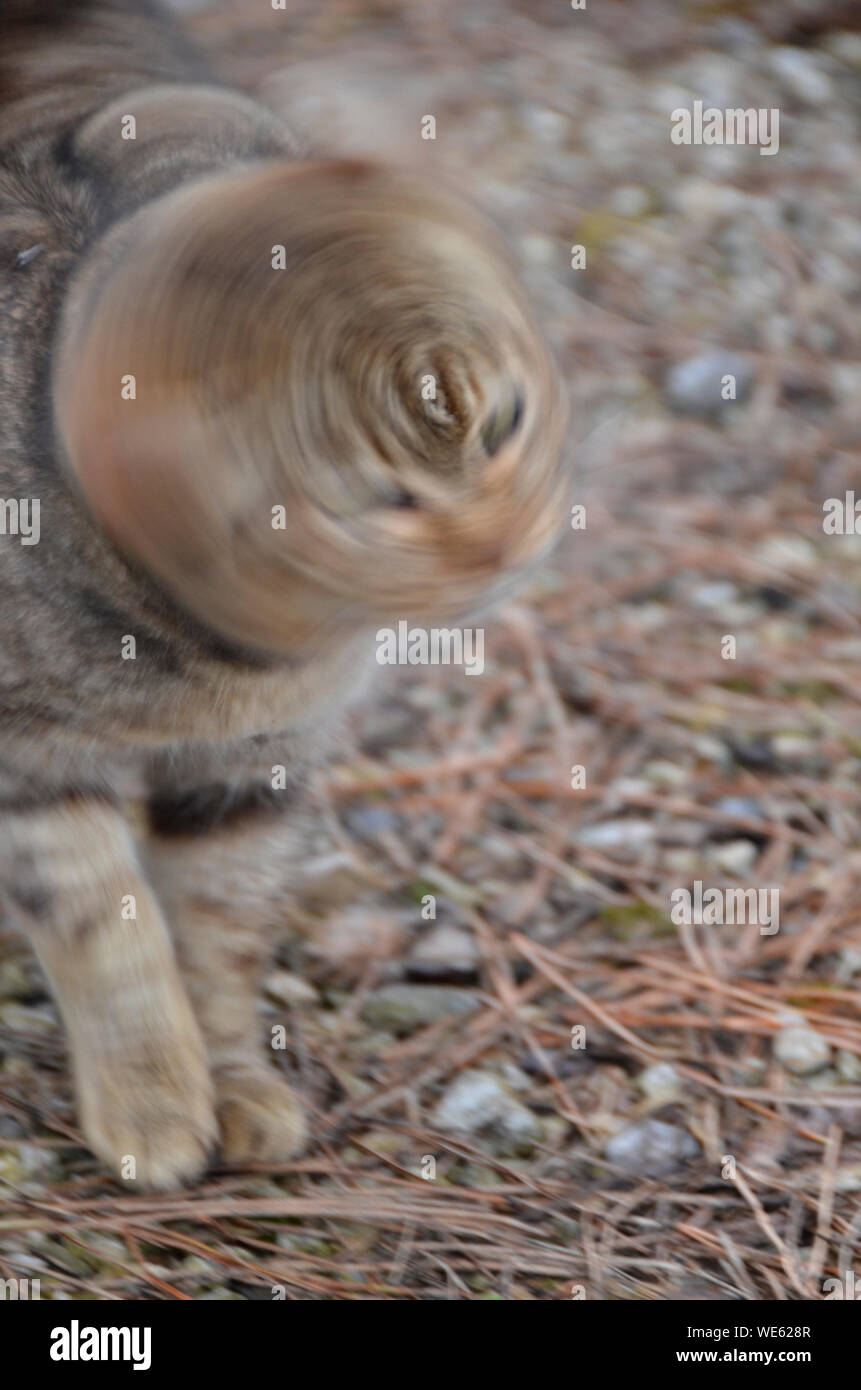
(260, 404)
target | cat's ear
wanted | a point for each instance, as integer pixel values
(123, 456)
(150, 472)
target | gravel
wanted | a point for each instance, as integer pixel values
(801, 1051)
(651, 1148)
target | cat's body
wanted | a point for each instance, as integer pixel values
(70, 715)
(150, 780)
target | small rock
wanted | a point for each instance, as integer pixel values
(550, 127)
(11, 1168)
(800, 75)
(28, 1166)
(713, 750)
(715, 595)
(333, 879)
(478, 1100)
(694, 386)
(748, 1071)
(793, 748)
(357, 934)
(660, 1083)
(736, 857)
(662, 773)
(540, 250)
(787, 552)
(848, 963)
(848, 1178)
(845, 46)
(608, 834)
(739, 806)
(402, 1008)
(651, 1148)
(631, 200)
(444, 950)
(683, 863)
(285, 988)
(801, 1050)
(848, 1066)
(826, 1081)
(370, 821)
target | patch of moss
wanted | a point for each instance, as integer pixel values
(626, 921)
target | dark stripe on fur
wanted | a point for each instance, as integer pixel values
(209, 808)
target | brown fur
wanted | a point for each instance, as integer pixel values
(151, 779)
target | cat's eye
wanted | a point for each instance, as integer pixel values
(503, 424)
(404, 499)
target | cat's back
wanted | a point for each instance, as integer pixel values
(72, 166)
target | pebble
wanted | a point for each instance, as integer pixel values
(445, 947)
(736, 857)
(332, 879)
(402, 1008)
(660, 1083)
(845, 46)
(651, 1148)
(715, 595)
(849, 963)
(693, 386)
(786, 552)
(801, 75)
(801, 1050)
(848, 1066)
(739, 806)
(551, 127)
(28, 1164)
(370, 821)
(793, 748)
(356, 933)
(666, 774)
(609, 833)
(630, 200)
(478, 1100)
(703, 199)
(285, 988)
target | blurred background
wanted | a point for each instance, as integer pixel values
(702, 1138)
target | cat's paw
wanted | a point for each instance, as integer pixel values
(259, 1117)
(152, 1123)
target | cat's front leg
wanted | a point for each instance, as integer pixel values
(140, 1066)
(223, 859)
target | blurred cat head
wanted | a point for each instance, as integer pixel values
(340, 413)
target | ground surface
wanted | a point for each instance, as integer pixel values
(704, 1141)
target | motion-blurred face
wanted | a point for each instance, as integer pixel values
(341, 409)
